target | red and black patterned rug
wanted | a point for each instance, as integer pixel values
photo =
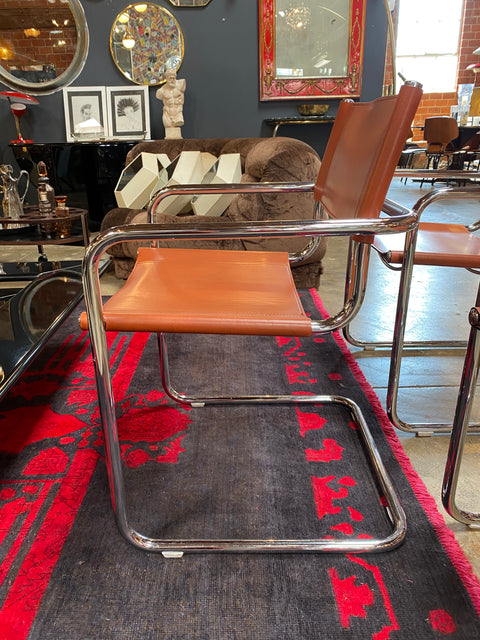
(248, 471)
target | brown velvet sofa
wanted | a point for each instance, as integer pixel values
(263, 160)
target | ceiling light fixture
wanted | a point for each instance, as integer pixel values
(128, 40)
(298, 17)
(6, 53)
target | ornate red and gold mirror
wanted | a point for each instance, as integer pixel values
(311, 49)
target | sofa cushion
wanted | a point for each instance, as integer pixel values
(277, 160)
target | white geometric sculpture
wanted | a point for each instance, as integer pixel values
(140, 178)
(150, 172)
(187, 168)
(227, 169)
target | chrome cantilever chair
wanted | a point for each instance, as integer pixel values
(255, 294)
(438, 244)
(460, 428)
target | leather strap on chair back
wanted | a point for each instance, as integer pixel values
(363, 150)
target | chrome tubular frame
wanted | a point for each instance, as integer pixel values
(460, 428)
(399, 343)
(438, 174)
(420, 206)
(404, 220)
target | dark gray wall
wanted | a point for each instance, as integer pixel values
(221, 69)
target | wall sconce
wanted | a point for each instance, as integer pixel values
(32, 32)
(476, 70)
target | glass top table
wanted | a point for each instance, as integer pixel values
(29, 318)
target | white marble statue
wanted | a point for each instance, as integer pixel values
(172, 94)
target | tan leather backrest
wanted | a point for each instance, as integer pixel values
(363, 150)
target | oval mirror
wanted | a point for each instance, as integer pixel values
(145, 41)
(43, 46)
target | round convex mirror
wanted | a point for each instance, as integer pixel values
(43, 46)
(145, 41)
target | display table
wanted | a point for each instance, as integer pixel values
(25, 271)
(31, 316)
(34, 227)
(465, 132)
(277, 122)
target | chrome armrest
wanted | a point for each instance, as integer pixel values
(436, 174)
(244, 230)
(237, 188)
(219, 189)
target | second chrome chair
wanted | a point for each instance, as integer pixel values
(458, 437)
(227, 292)
(437, 244)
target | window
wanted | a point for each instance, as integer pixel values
(427, 42)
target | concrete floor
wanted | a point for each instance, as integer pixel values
(440, 300)
(429, 380)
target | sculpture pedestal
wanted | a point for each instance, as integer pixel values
(173, 132)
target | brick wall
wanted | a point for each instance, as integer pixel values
(438, 104)
(53, 46)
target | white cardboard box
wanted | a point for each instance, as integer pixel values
(139, 178)
(227, 169)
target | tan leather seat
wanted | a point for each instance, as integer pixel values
(190, 291)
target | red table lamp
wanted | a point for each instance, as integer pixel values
(18, 105)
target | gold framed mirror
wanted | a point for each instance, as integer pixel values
(145, 41)
(43, 46)
(310, 49)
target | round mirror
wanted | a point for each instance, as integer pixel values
(43, 46)
(145, 41)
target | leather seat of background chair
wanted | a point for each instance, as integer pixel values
(263, 160)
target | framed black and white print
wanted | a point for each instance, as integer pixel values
(128, 112)
(85, 113)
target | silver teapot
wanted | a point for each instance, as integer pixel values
(12, 205)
